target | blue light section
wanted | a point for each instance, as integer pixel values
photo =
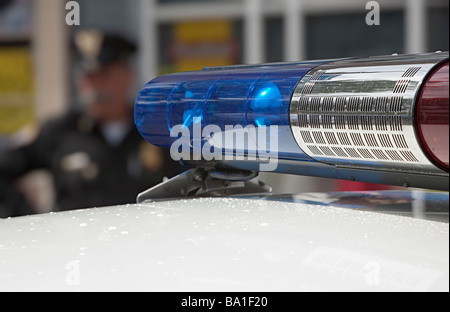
(265, 106)
(228, 96)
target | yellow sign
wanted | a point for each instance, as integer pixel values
(16, 89)
(203, 43)
(214, 31)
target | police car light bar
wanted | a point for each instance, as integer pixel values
(379, 119)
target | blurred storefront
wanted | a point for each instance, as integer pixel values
(291, 30)
(33, 64)
(33, 80)
(16, 72)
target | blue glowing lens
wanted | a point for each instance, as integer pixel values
(244, 96)
(265, 107)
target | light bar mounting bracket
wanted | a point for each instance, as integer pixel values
(206, 182)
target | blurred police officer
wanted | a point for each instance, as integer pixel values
(96, 155)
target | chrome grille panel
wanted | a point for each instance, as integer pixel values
(359, 113)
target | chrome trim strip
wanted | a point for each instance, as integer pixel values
(360, 113)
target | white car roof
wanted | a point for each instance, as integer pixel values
(223, 244)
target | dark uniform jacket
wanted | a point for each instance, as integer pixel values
(87, 171)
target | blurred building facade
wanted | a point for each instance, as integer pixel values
(178, 35)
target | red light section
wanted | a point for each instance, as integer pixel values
(432, 116)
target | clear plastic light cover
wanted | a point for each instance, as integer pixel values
(433, 116)
(208, 104)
